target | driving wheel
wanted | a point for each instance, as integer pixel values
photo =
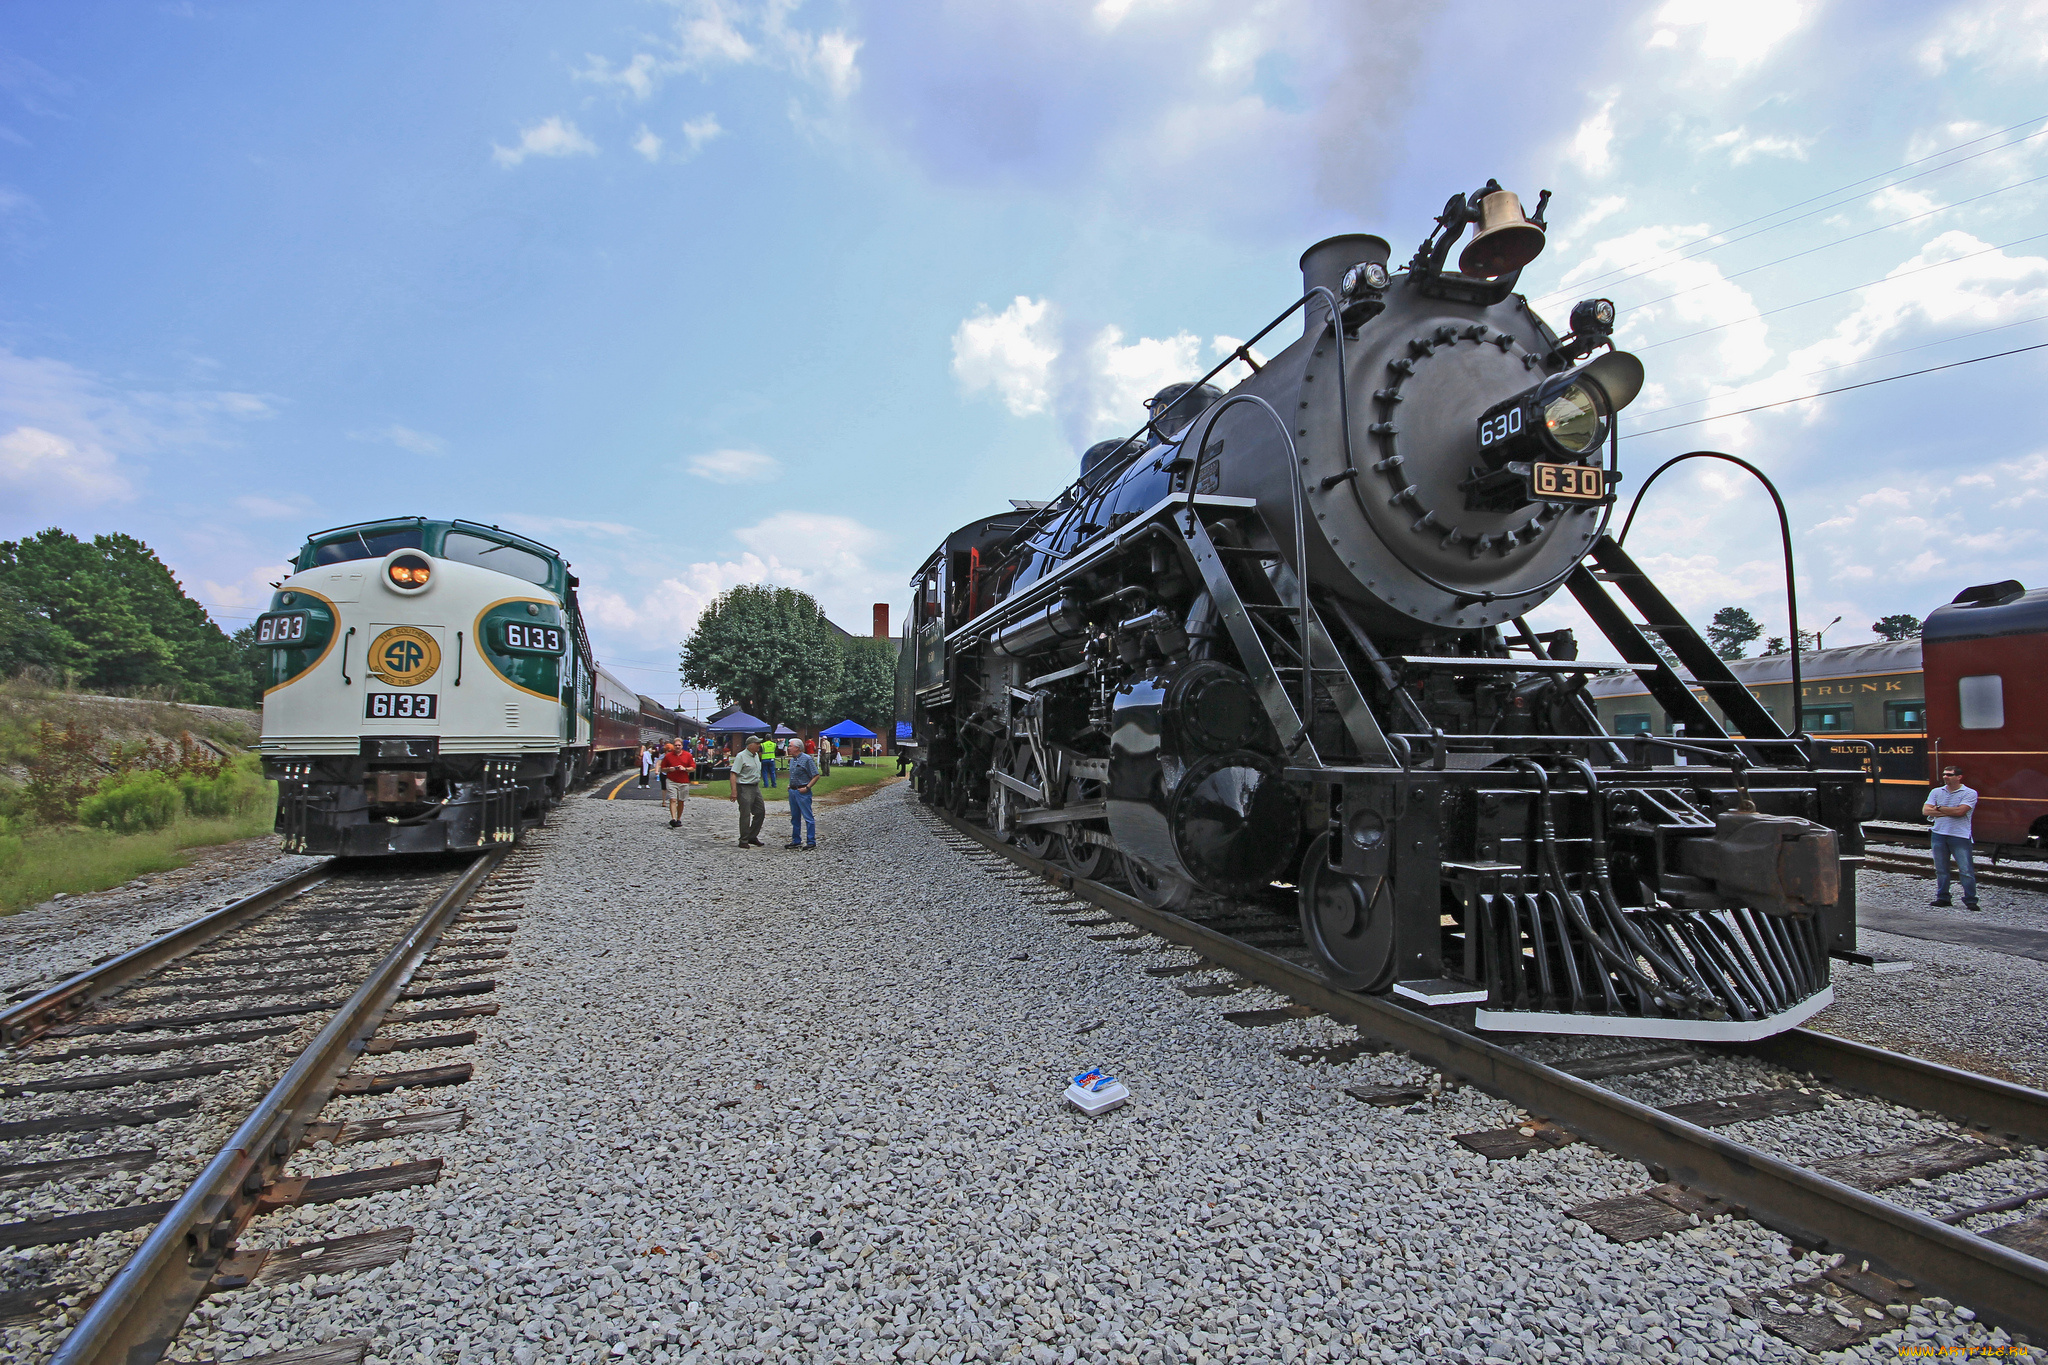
(1084, 859)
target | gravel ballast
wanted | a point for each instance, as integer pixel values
(769, 1105)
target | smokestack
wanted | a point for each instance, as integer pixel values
(881, 620)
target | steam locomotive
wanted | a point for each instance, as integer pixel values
(1277, 640)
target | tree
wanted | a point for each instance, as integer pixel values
(867, 687)
(1776, 644)
(1732, 631)
(770, 650)
(1897, 627)
(110, 616)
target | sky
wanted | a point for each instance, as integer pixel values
(717, 292)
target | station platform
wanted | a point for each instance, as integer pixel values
(625, 787)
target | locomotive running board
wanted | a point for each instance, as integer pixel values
(1629, 1026)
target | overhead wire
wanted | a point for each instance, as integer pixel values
(1835, 242)
(1829, 369)
(1846, 388)
(1837, 293)
(1826, 194)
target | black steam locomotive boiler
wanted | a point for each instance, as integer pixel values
(1277, 639)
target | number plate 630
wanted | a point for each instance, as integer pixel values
(1569, 482)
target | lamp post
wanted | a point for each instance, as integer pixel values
(1817, 635)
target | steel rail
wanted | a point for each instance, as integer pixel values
(1906, 864)
(135, 1318)
(68, 999)
(2005, 1287)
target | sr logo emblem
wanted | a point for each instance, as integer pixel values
(404, 656)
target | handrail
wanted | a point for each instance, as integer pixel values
(1798, 730)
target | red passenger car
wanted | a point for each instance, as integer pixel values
(1985, 657)
(615, 723)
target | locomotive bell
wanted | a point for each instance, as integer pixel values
(1506, 239)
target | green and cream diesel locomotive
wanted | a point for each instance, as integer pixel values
(430, 687)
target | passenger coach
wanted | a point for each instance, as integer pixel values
(429, 686)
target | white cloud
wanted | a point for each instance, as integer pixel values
(405, 438)
(552, 136)
(1093, 382)
(636, 78)
(830, 557)
(1592, 143)
(2007, 36)
(1744, 147)
(1120, 376)
(708, 34)
(1739, 32)
(699, 131)
(1702, 296)
(1011, 352)
(40, 464)
(648, 143)
(734, 466)
(70, 440)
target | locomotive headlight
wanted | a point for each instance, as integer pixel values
(1363, 276)
(1575, 418)
(1566, 416)
(408, 572)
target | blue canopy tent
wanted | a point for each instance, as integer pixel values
(738, 723)
(847, 729)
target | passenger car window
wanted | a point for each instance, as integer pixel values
(371, 545)
(490, 554)
(1983, 701)
(1632, 723)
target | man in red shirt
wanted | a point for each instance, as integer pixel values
(677, 771)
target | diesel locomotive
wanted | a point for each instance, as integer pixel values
(430, 687)
(1276, 642)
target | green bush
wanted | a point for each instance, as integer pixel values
(132, 802)
(233, 790)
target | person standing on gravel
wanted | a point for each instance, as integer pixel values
(678, 769)
(746, 792)
(1950, 806)
(803, 775)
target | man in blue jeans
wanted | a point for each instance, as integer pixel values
(1950, 806)
(803, 775)
(768, 762)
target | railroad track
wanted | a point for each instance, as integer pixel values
(1913, 863)
(168, 1088)
(1890, 1255)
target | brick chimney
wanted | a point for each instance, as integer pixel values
(881, 620)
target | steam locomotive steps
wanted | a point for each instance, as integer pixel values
(296, 983)
(1700, 1173)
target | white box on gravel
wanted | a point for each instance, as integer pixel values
(1097, 1092)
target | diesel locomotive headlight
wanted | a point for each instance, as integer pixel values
(408, 573)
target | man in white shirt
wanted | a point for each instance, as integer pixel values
(1950, 806)
(746, 792)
